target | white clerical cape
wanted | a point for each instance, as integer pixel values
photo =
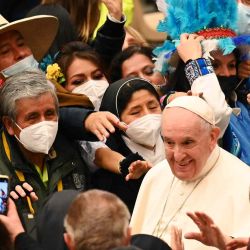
(222, 191)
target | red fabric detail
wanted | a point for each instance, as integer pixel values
(215, 33)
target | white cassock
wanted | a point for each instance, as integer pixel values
(221, 191)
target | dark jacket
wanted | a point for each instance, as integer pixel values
(71, 123)
(50, 227)
(24, 242)
(109, 40)
(66, 165)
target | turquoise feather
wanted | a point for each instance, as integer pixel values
(192, 16)
(226, 45)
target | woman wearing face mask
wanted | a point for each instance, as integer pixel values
(83, 74)
(236, 137)
(136, 61)
(136, 102)
(83, 71)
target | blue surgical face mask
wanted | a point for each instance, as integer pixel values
(27, 63)
(244, 19)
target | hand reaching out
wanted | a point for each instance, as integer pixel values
(209, 234)
(102, 124)
(137, 169)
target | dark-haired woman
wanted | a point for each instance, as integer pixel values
(137, 61)
(84, 74)
(135, 102)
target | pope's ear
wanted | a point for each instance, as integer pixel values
(8, 124)
(215, 133)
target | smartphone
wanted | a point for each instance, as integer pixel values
(4, 193)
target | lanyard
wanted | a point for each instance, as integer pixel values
(21, 176)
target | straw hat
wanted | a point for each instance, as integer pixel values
(38, 32)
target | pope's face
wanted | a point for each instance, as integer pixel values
(188, 142)
(12, 49)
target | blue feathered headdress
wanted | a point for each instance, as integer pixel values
(216, 20)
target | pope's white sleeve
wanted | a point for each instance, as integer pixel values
(212, 93)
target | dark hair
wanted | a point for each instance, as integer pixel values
(178, 79)
(129, 89)
(242, 91)
(77, 49)
(115, 71)
(115, 100)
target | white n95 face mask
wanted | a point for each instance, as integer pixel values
(145, 130)
(94, 89)
(38, 138)
(27, 63)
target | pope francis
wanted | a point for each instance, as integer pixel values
(197, 175)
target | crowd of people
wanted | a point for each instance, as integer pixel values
(110, 142)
